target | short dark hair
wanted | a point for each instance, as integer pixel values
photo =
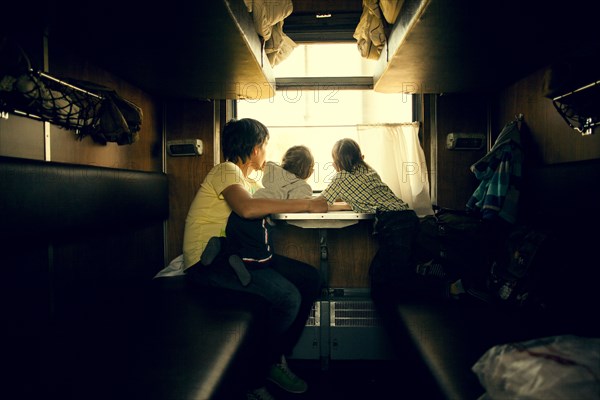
(239, 137)
(299, 161)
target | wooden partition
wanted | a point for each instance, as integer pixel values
(457, 113)
(349, 251)
(548, 138)
(297, 243)
(187, 119)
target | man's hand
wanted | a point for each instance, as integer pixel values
(317, 205)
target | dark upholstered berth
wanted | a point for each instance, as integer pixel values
(451, 336)
(82, 317)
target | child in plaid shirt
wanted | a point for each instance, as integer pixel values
(392, 271)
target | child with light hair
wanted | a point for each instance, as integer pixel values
(288, 180)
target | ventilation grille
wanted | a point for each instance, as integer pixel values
(314, 318)
(354, 314)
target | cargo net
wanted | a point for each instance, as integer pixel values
(41, 96)
(82, 106)
(85, 107)
(580, 109)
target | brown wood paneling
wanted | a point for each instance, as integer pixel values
(351, 250)
(548, 137)
(144, 155)
(186, 120)
(455, 181)
(297, 243)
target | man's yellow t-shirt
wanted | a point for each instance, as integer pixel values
(209, 211)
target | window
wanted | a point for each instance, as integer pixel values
(318, 118)
(323, 60)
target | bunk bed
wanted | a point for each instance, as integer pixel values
(438, 47)
(218, 50)
(469, 46)
(184, 50)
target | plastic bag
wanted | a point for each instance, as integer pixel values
(557, 367)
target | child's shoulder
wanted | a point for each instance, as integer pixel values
(271, 168)
(224, 167)
(361, 169)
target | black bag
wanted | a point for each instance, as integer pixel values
(516, 278)
(455, 239)
(391, 271)
(117, 119)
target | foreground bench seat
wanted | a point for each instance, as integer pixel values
(199, 345)
(83, 317)
(450, 338)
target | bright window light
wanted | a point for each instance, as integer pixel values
(318, 118)
(327, 59)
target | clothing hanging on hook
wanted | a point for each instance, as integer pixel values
(500, 174)
(519, 120)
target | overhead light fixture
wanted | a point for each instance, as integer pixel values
(328, 15)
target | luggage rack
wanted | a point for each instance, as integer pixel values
(577, 108)
(84, 107)
(40, 96)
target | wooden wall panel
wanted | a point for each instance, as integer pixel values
(187, 120)
(144, 155)
(455, 181)
(297, 243)
(350, 251)
(548, 137)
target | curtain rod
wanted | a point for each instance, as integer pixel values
(393, 124)
(344, 126)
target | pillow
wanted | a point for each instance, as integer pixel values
(557, 367)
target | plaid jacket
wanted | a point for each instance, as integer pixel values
(500, 174)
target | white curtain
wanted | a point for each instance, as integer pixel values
(394, 151)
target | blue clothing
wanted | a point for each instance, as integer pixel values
(392, 270)
(290, 288)
(500, 174)
(251, 238)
